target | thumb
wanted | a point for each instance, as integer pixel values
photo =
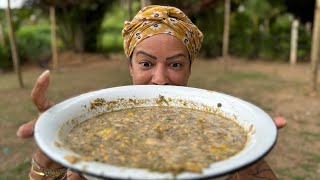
(39, 92)
(26, 130)
(280, 121)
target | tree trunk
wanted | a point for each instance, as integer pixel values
(15, 57)
(2, 38)
(315, 51)
(123, 3)
(79, 39)
(266, 23)
(144, 3)
(54, 49)
(65, 30)
(294, 42)
(225, 45)
(307, 28)
(130, 9)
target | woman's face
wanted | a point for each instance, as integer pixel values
(161, 60)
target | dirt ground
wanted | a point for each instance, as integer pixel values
(278, 88)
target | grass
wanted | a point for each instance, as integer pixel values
(20, 171)
(310, 135)
(296, 177)
(238, 76)
(294, 157)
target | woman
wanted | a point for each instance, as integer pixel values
(161, 44)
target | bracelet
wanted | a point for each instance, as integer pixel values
(44, 172)
(30, 178)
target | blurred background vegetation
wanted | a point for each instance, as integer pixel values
(258, 28)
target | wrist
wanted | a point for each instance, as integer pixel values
(44, 161)
(42, 167)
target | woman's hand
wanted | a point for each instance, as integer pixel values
(280, 121)
(40, 100)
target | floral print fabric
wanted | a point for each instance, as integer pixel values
(155, 19)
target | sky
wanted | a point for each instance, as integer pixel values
(13, 3)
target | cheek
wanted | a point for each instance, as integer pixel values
(179, 78)
(140, 77)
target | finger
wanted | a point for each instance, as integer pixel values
(39, 92)
(26, 130)
(280, 121)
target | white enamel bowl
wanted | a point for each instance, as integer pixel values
(58, 120)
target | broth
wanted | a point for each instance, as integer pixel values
(163, 139)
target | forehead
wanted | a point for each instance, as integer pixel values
(162, 43)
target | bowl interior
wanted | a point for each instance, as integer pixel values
(55, 123)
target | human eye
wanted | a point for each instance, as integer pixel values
(176, 65)
(145, 64)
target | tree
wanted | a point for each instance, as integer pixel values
(130, 9)
(79, 21)
(226, 29)
(145, 3)
(2, 38)
(315, 49)
(54, 48)
(15, 57)
(191, 7)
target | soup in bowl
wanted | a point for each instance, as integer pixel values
(155, 132)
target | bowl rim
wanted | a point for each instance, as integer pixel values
(50, 113)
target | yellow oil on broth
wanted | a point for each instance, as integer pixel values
(164, 139)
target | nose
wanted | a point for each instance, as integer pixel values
(160, 76)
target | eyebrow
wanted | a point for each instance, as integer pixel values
(176, 56)
(146, 54)
(153, 57)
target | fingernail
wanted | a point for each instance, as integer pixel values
(43, 75)
(19, 133)
(24, 131)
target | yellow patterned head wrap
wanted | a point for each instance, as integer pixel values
(155, 19)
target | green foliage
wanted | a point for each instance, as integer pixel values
(111, 42)
(241, 35)
(257, 9)
(81, 23)
(282, 23)
(279, 38)
(181, 4)
(211, 25)
(78, 22)
(304, 44)
(109, 36)
(262, 30)
(32, 40)
(5, 58)
(19, 16)
(258, 29)
(250, 30)
(33, 43)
